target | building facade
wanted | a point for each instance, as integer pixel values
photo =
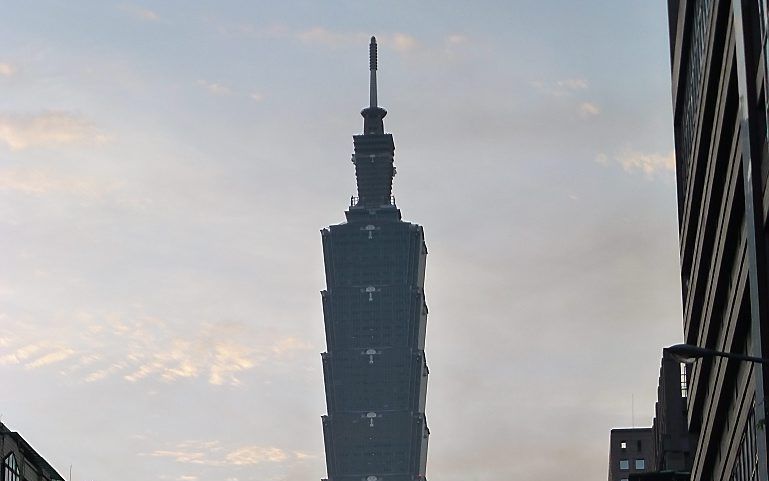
(375, 318)
(631, 450)
(672, 441)
(20, 462)
(663, 451)
(718, 70)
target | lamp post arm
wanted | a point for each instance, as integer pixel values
(741, 357)
(696, 352)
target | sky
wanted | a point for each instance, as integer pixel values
(165, 169)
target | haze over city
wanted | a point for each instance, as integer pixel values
(165, 169)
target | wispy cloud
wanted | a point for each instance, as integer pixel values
(329, 38)
(54, 357)
(403, 42)
(588, 109)
(214, 453)
(247, 455)
(41, 181)
(19, 354)
(456, 39)
(7, 70)
(215, 88)
(148, 348)
(398, 41)
(560, 88)
(140, 12)
(290, 344)
(650, 165)
(47, 129)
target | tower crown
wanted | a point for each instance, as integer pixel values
(374, 150)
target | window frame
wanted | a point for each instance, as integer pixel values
(11, 466)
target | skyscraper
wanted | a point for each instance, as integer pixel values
(719, 79)
(375, 318)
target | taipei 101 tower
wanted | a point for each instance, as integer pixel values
(375, 317)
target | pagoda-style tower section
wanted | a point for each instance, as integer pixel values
(375, 315)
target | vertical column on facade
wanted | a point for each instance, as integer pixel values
(751, 141)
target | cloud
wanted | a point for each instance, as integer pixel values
(560, 88)
(572, 84)
(47, 129)
(207, 353)
(403, 42)
(147, 348)
(649, 164)
(193, 457)
(256, 97)
(140, 13)
(588, 109)
(213, 453)
(215, 88)
(290, 344)
(400, 42)
(256, 454)
(302, 455)
(51, 358)
(456, 39)
(329, 38)
(40, 181)
(19, 354)
(7, 70)
(322, 36)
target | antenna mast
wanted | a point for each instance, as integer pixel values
(372, 68)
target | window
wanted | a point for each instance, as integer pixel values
(638, 445)
(624, 464)
(640, 464)
(623, 445)
(10, 468)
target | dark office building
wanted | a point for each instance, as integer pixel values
(718, 68)
(20, 461)
(663, 451)
(672, 441)
(375, 318)
(631, 450)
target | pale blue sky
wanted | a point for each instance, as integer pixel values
(165, 168)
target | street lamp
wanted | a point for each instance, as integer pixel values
(688, 354)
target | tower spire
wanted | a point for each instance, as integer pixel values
(373, 114)
(372, 68)
(374, 151)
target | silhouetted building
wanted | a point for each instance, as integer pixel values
(662, 451)
(631, 450)
(20, 462)
(718, 68)
(672, 441)
(375, 317)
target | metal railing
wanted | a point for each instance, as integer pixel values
(354, 200)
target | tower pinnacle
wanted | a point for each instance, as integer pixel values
(373, 114)
(374, 151)
(372, 68)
